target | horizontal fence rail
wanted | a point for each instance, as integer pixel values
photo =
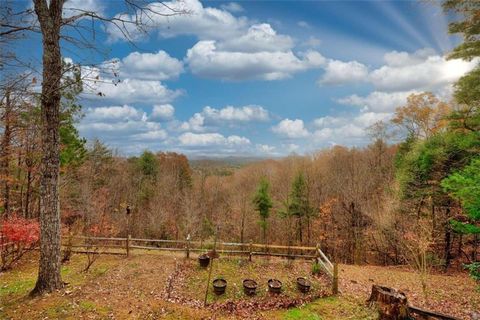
(86, 243)
(123, 246)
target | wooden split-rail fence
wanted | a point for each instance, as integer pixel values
(123, 246)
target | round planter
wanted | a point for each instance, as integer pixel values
(219, 286)
(249, 287)
(274, 286)
(303, 285)
(204, 260)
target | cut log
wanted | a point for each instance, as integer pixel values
(391, 304)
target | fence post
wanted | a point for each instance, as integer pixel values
(188, 246)
(250, 249)
(335, 279)
(128, 245)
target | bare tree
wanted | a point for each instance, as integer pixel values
(48, 18)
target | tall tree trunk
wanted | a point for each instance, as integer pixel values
(50, 18)
(28, 192)
(5, 155)
(242, 230)
(448, 238)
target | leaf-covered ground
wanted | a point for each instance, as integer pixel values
(454, 294)
(149, 286)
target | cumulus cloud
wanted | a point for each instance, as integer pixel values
(291, 147)
(130, 91)
(291, 128)
(402, 58)
(259, 37)
(203, 22)
(150, 66)
(377, 101)
(113, 114)
(120, 124)
(162, 112)
(347, 130)
(101, 83)
(158, 134)
(228, 115)
(406, 73)
(230, 47)
(339, 72)
(74, 7)
(206, 60)
(195, 123)
(232, 7)
(423, 70)
(209, 139)
(265, 148)
(240, 114)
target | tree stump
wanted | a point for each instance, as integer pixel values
(391, 304)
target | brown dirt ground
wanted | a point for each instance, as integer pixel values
(135, 288)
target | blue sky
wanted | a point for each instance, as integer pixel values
(261, 78)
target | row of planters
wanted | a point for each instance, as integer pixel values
(250, 286)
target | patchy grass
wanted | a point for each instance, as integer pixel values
(330, 308)
(235, 270)
(453, 294)
(134, 288)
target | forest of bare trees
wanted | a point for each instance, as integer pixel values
(354, 209)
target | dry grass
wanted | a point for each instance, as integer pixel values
(261, 270)
(454, 294)
(135, 288)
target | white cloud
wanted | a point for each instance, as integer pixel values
(204, 59)
(265, 148)
(408, 72)
(228, 115)
(113, 114)
(291, 147)
(74, 7)
(209, 139)
(364, 119)
(119, 125)
(240, 114)
(151, 135)
(232, 7)
(291, 128)
(162, 112)
(131, 91)
(195, 123)
(402, 58)
(339, 72)
(347, 130)
(377, 101)
(259, 37)
(203, 22)
(230, 48)
(150, 66)
(423, 70)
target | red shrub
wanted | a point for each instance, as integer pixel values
(20, 231)
(17, 236)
